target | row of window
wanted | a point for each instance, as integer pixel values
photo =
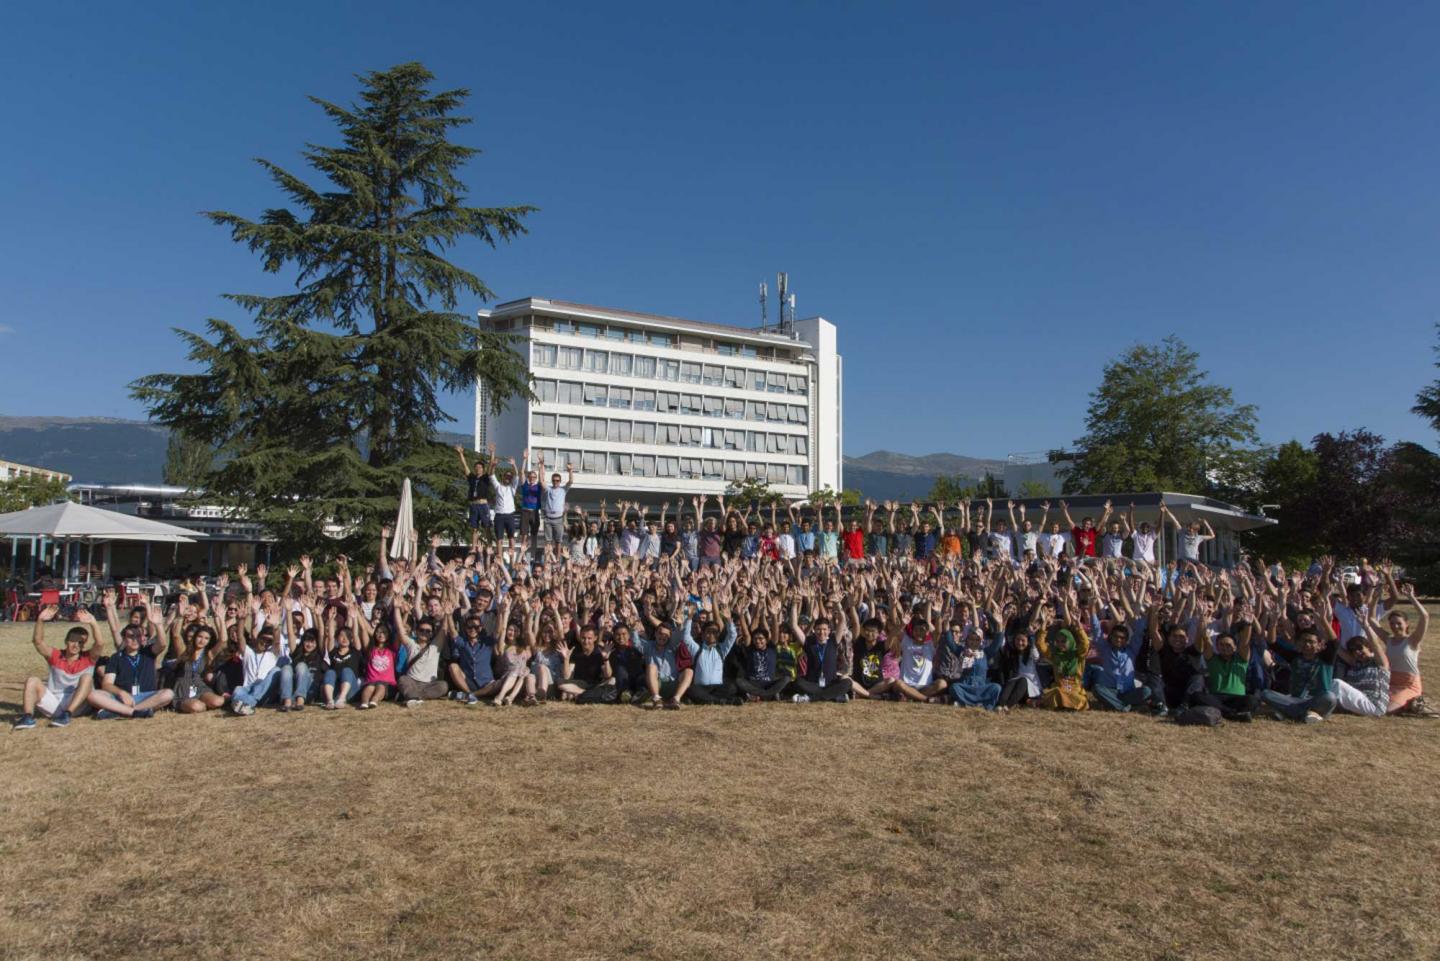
(686, 468)
(634, 336)
(657, 368)
(668, 402)
(682, 435)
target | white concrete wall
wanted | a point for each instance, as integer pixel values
(827, 440)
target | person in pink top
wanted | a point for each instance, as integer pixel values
(379, 654)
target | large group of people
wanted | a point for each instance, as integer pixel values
(738, 604)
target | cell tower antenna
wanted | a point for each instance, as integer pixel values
(782, 284)
(763, 291)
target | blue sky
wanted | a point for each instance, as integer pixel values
(990, 201)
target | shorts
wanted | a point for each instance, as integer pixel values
(182, 691)
(507, 525)
(138, 697)
(52, 703)
(480, 515)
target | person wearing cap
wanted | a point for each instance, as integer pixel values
(65, 690)
(129, 686)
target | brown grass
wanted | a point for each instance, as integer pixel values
(779, 831)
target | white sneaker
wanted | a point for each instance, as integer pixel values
(414, 702)
(1312, 718)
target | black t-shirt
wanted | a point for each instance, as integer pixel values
(340, 661)
(479, 487)
(133, 672)
(1177, 671)
(589, 668)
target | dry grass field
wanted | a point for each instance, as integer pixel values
(777, 831)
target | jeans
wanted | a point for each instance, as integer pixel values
(346, 676)
(256, 693)
(1295, 708)
(1122, 701)
(296, 680)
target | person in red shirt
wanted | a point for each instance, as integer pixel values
(854, 542)
(70, 671)
(1083, 536)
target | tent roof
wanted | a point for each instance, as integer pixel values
(71, 520)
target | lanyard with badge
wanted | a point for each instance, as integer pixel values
(134, 663)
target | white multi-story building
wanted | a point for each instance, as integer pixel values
(650, 407)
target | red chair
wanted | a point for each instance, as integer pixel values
(50, 598)
(19, 609)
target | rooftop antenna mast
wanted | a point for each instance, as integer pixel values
(782, 285)
(763, 318)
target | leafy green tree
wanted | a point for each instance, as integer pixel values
(318, 416)
(1034, 488)
(990, 486)
(188, 462)
(18, 493)
(949, 489)
(753, 490)
(827, 496)
(1427, 402)
(1289, 478)
(1154, 423)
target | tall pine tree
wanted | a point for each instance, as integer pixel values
(319, 414)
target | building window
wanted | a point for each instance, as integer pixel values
(588, 330)
(669, 370)
(775, 473)
(595, 428)
(724, 349)
(644, 400)
(713, 470)
(644, 433)
(620, 464)
(797, 384)
(797, 414)
(748, 350)
(759, 380)
(714, 407)
(614, 333)
(644, 465)
(668, 402)
(564, 327)
(735, 377)
(568, 392)
(735, 409)
(775, 413)
(689, 373)
(775, 383)
(592, 463)
(620, 398)
(619, 432)
(713, 375)
(597, 361)
(667, 467)
(545, 390)
(596, 395)
(660, 340)
(689, 403)
(571, 358)
(544, 425)
(754, 410)
(644, 366)
(542, 355)
(797, 474)
(567, 425)
(620, 364)
(801, 444)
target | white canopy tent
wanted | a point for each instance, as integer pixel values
(67, 521)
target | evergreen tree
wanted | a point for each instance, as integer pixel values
(188, 462)
(1155, 424)
(318, 415)
(1427, 402)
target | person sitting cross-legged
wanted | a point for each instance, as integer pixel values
(709, 654)
(1310, 698)
(68, 685)
(129, 686)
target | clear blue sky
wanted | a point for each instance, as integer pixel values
(990, 201)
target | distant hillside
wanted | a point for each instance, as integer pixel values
(886, 475)
(94, 450)
(104, 450)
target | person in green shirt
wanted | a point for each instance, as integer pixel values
(1227, 660)
(1310, 699)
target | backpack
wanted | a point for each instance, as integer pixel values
(1198, 717)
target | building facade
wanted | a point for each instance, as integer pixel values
(648, 407)
(9, 470)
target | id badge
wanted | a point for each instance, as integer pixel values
(193, 690)
(134, 690)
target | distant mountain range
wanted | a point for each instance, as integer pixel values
(106, 450)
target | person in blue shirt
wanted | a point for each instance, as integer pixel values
(530, 492)
(471, 670)
(708, 655)
(1116, 686)
(665, 680)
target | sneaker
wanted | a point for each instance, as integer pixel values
(455, 696)
(1278, 715)
(240, 709)
(23, 723)
(626, 697)
(1244, 717)
(60, 720)
(470, 699)
(1312, 718)
(148, 713)
(414, 702)
(1419, 707)
(800, 698)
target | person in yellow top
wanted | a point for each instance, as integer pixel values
(1064, 643)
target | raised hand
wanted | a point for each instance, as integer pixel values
(84, 616)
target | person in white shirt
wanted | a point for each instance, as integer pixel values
(1027, 538)
(1190, 538)
(504, 484)
(1142, 538)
